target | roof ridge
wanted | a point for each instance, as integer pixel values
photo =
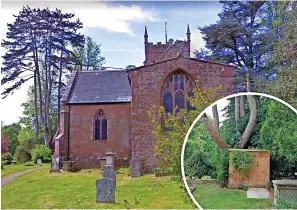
(123, 70)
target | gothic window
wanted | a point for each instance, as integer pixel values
(176, 89)
(100, 126)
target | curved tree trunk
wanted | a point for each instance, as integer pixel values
(252, 121)
(216, 117)
(212, 131)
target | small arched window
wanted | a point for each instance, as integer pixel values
(176, 89)
(100, 126)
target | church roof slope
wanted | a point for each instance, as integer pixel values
(109, 86)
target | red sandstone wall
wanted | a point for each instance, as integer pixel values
(86, 150)
(146, 90)
(153, 52)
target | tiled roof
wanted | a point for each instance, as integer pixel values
(109, 86)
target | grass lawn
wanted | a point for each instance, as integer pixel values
(77, 190)
(211, 196)
(14, 168)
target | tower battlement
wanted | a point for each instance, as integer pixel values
(155, 52)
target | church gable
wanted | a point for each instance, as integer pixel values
(152, 85)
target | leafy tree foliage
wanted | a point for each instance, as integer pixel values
(285, 53)
(4, 143)
(241, 37)
(88, 57)
(279, 135)
(130, 67)
(169, 143)
(11, 133)
(199, 153)
(37, 45)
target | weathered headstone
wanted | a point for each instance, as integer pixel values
(135, 167)
(39, 162)
(55, 164)
(109, 172)
(105, 190)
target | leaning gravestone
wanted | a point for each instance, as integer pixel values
(39, 162)
(135, 167)
(105, 190)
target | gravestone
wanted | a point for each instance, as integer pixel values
(105, 190)
(55, 164)
(109, 172)
(135, 167)
(39, 162)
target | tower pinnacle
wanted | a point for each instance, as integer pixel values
(145, 35)
(188, 33)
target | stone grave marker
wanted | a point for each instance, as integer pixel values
(109, 172)
(39, 162)
(55, 164)
(105, 190)
(135, 167)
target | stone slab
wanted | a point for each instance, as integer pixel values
(105, 190)
(258, 193)
(135, 167)
(39, 162)
(110, 173)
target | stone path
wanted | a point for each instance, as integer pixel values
(258, 193)
(6, 180)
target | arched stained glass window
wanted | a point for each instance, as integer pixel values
(100, 126)
(176, 87)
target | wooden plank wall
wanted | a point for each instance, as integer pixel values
(258, 174)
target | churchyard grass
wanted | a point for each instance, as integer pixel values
(77, 190)
(14, 168)
(211, 196)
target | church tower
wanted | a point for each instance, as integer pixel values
(159, 52)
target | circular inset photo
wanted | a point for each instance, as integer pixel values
(241, 153)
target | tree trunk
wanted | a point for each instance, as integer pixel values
(242, 107)
(213, 132)
(35, 108)
(236, 108)
(59, 93)
(216, 117)
(40, 95)
(252, 121)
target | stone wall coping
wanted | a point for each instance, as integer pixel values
(250, 150)
(285, 182)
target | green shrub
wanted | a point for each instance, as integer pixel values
(30, 163)
(222, 165)
(287, 201)
(6, 158)
(242, 187)
(22, 155)
(242, 161)
(198, 165)
(41, 152)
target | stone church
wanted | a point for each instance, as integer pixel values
(108, 109)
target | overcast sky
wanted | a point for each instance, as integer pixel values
(119, 27)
